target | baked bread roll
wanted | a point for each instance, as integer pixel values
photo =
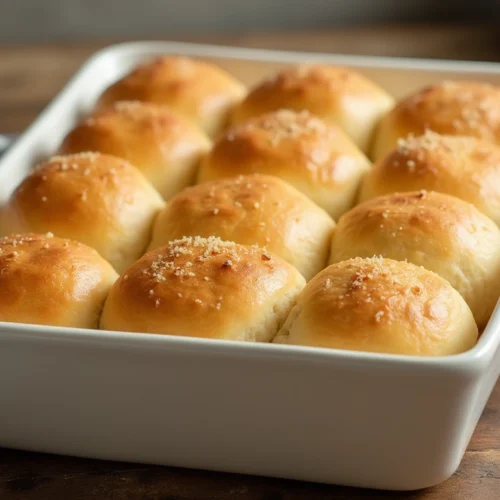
(381, 305)
(449, 108)
(46, 280)
(100, 200)
(198, 90)
(318, 159)
(465, 167)
(437, 231)
(340, 96)
(162, 145)
(199, 287)
(251, 210)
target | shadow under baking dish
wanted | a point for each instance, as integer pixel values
(333, 416)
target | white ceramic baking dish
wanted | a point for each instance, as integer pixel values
(369, 420)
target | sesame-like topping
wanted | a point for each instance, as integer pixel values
(157, 302)
(215, 211)
(198, 301)
(378, 316)
(44, 199)
(125, 277)
(151, 292)
(256, 204)
(286, 124)
(85, 155)
(49, 235)
(219, 303)
(186, 246)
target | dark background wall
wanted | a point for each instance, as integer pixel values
(36, 20)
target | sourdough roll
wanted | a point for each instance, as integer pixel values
(161, 144)
(251, 210)
(383, 306)
(465, 167)
(204, 287)
(437, 231)
(100, 200)
(316, 158)
(450, 108)
(340, 96)
(201, 91)
(45, 280)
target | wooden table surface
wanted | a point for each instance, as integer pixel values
(30, 75)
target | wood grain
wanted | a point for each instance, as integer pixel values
(29, 77)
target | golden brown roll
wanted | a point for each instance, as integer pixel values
(251, 210)
(381, 305)
(198, 90)
(465, 167)
(209, 288)
(46, 280)
(318, 159)
(338, 95)
(437, 231)
(99, 200)
(450, 108)
(165, 147)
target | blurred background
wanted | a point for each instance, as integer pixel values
(43, 42)
(33, 20)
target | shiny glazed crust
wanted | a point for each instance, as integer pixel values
(100, 200)
(340, 96)
(465, 167)
(439, 232)
(252, 210)
(207, 288)
(164, 146)
(198, 90)
(316, 158)
(381, 305)
(451, 108)
(46, 280)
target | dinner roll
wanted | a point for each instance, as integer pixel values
(340, 96)
(209, 288)
(451, 108)
(434, 230)
(251, 210)
(162, 145)
(381, 305)
(97, 199)
(318, 159)
(46, 280)
(198, 90)
(465, 167)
